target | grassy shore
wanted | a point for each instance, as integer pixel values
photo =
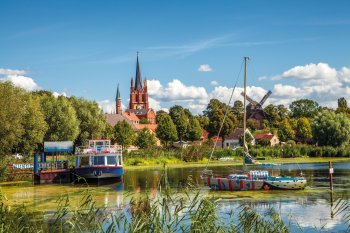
(156, 163)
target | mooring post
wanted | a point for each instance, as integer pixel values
(331, 171)
(42, 157)
(36, 163)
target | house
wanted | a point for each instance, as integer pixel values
(268, 137)
(232, 140)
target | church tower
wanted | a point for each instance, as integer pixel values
(118, 102)
(138, 90)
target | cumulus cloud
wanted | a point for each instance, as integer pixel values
(56, 94)
(214, 83)
(108, 106)
(319, 82)
(17, 78)
(175, 90)
(205, 68)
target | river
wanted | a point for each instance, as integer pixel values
(308, 209)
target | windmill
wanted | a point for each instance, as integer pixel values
(255, 109)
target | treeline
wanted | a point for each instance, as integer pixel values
(27, 119)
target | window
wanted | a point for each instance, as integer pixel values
(119, 160)
(111, 160)
(99, 160)
(84, 161)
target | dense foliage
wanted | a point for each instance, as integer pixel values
(145, 139)
(124, 134)
(27, 119)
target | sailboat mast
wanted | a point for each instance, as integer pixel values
(245, 111)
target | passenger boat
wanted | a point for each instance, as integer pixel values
(252, 180)
(99, 160)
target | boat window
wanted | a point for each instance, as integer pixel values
(99, 160)
(111, 160)
(84, 161)
(119, 160)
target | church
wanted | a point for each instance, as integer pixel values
(139, 114)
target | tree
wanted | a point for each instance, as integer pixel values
(144, 121)
(304, 108)
(215, 112)
(195, 130)
(203, 121)
(145, 139)
(92, 122)
(329, 128)
(238, 111)
(61, 118)
(272, 114)
(342, 103)
(160, 114)
(303, 130)
(12, 110)
(180, 120)
(34, 126)
(124, 134)
(166, 130)
(285, 131)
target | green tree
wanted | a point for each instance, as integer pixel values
(61, 118)
(144, 121)
(203, 121)
(12, 112)
(272, 115)
(304, 108)
(92, 122)
(303, 130)
(145, 139)
(285, 131)
(329, 128)
(180, 120)
(124, 134)
(195, 130)
(342, 103)
(238, 111)
(160, 114)
(34, 126)
(166, 130)
(215, 112)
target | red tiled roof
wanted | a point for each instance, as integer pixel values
(264, 136)
(113, 119)
(131, 116)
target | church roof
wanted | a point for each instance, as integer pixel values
(138, 80)
(113, 119)
(131, 116)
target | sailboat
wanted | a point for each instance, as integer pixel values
(252, 180)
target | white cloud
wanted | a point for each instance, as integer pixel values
(214, 83)
(205, 68)
(12, 72)
(310, 71)
(175, 90)
(56, 94)
(108, 106)
(17, 78)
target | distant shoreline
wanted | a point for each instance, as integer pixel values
(237, 163)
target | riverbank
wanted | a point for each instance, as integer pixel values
(156, 164)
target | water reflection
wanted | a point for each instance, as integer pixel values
(309, 208)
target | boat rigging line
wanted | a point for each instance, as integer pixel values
(223, 121)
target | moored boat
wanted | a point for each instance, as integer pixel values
(253, 180)
(99, 160)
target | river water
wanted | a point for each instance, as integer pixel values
(306, 210)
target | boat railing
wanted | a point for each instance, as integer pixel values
(113, 149)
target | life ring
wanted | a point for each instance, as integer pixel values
(266, 187)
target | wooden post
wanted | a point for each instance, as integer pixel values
(331, 171)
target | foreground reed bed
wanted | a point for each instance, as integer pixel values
(166, 211)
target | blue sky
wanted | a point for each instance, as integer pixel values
(298, 49)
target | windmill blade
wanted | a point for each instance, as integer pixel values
(265, 98)
(248, 98)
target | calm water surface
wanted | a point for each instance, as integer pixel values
(309, 209)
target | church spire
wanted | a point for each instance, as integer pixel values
(138, 80)
(117, 95)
